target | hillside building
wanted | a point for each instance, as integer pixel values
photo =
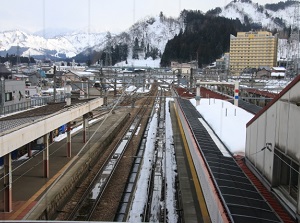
(252, 50)
(222, 64)
(183, 68)
(278, 72)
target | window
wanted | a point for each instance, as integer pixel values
(8, 96)
(288, 174)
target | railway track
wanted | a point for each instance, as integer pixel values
(89, 204)
(154, 208)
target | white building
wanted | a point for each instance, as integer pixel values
(278, 72)
(184, 68)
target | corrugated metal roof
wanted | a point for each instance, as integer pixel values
(242, 200)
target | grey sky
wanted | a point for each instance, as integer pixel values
(93, 15)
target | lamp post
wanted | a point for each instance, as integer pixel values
(2, 95)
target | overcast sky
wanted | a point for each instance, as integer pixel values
(98, 15)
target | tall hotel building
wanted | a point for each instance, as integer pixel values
(252, 50)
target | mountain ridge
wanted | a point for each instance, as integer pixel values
(151, 32)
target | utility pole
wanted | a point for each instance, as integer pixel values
(54, 84)
(2, 94)
(293, 48)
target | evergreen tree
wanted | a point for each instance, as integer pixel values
(135, 49)
(205, 38)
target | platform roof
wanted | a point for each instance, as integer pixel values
(241, 199)
(18, 130)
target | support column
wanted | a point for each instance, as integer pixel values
(46, 155)
(69, 149)
(85, 126)
(68, 92)
(7, 183)
(198, 96)
(236, 93)
(29, 150)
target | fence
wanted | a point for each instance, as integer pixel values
(33, 102)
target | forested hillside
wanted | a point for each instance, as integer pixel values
(205, 38)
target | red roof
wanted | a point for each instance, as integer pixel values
(262, 93)
(182, 92)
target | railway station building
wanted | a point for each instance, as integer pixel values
(272, 146)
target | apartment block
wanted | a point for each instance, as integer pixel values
(252, 50)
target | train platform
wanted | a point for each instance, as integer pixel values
(193, 206)
(29, 185)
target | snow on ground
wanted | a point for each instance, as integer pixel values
(130, 88)
(140, 198)
(149, 62)
(170, 167)
(227, 121)
(76, 129)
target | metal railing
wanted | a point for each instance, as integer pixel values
(31, 103)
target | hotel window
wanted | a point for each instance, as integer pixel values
(288, 174)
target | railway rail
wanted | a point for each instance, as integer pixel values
(90, 199)
(91, 195)
(154, 208)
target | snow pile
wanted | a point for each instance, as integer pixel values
(227, 121)
(149, 62)
(171, 166)
(140, 198)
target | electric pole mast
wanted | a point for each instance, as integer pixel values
(293, 57)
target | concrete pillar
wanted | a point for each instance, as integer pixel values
(85, 126)
(69, 149)
(29, 150)
(7, 183)
(298, 197)
(68, 92)
(198, 96)
(236, 93)
(46, 156)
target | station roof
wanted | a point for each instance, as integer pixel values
(19, 129)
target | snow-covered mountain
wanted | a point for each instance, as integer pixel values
(155, 31)
(59, 46)
(267, 17)
(151, 31)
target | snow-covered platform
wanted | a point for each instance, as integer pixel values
(228, 192)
